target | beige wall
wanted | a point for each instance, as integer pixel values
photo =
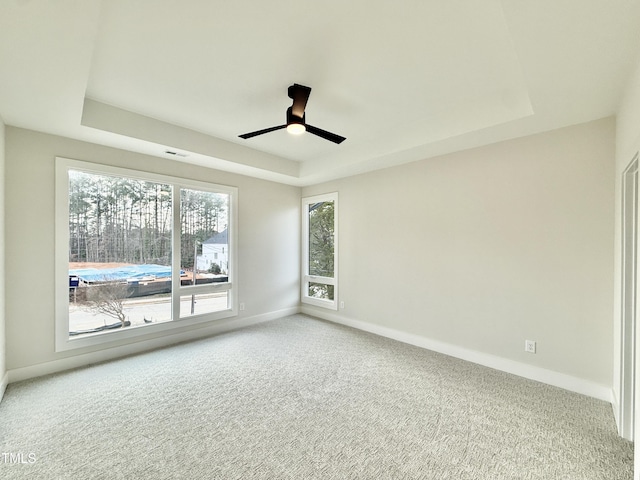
(269, 225)
(485, 248)
(627, 145)
(3, 364)
(480, 249)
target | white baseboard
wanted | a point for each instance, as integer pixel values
(3, 384)
(549, 377)
(556, 379)
(226, 325)
(615, 404)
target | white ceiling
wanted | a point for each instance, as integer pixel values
(402, 81)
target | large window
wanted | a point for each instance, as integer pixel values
(138, 252)
(319, 243)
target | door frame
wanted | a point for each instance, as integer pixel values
(629, 291)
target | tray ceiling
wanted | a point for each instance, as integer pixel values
(402, 82)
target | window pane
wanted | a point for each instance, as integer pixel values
(203, 303)
(321, 290)
(204, 236)
(119, 252)
(321, 239)
(118, 257)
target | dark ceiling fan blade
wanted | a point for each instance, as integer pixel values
(296, 117)
(300, 95)
(332, 137)
(260, 132)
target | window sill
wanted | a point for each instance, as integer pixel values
(141, 332)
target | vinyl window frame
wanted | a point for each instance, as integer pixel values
(306, 278)
(63, 341)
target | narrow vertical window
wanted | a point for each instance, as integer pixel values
(320, 259)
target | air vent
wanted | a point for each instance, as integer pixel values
(175, 154)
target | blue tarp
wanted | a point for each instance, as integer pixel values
(129, 272)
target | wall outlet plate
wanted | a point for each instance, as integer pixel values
(530, 346)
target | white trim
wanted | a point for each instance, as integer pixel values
(624, 409)
(305, 277)
(3, 385)
(615, 404)
(62, 340)
(176, 282)
(204, 288)
(549, 377)
(556, 379)
(320, 279)
(77, 361)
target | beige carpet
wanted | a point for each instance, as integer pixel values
(300, 398)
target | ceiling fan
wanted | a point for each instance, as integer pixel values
(296, 123)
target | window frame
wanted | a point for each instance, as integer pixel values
(306, 278)
(63, 341)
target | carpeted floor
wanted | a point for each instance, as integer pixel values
(299, 398)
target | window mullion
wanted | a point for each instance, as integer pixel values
(175, 253)
(205, 288)
(319, 279)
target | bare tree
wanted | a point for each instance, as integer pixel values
(108, 299)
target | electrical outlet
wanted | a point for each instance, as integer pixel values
(530, 346)
(241, 306)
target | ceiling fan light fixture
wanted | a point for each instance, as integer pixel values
(296, 123)
(296, 128)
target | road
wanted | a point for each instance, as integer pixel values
(140, 311)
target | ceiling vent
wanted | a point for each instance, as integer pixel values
(175, 154)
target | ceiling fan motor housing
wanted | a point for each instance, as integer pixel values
(291, 118)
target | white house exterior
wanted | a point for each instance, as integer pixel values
(215, 250)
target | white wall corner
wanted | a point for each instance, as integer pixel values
(549, 377)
